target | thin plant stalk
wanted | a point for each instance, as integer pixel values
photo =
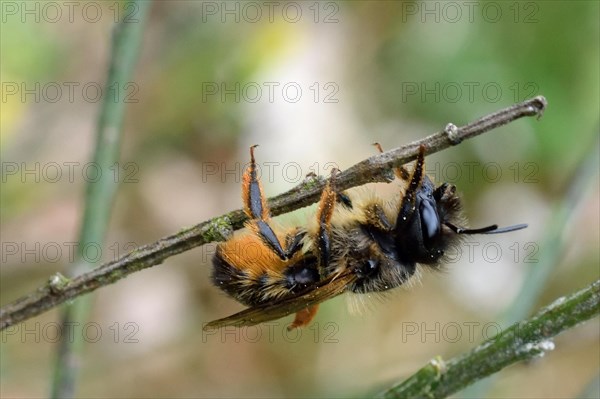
(126, 39)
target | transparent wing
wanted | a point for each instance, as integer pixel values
(326, 289)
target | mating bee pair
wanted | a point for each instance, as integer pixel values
(355, 244)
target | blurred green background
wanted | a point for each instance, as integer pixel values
(314, 83)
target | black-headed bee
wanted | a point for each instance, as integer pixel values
(353, 244)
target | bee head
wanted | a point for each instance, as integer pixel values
(421, 232)
(425, 231)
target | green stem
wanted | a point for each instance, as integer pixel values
(592, 390)
(522, 341)
(552, 247)
(100, 194)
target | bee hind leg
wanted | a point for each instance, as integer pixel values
(256, 208)
(304, 317)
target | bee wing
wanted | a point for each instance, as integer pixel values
(325, 290)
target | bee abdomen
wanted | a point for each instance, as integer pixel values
(253, 289)
(238, 283)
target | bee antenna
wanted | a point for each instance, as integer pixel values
(493, 229)
(508, 229)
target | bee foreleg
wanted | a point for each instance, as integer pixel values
(293, 242)
(407, 207)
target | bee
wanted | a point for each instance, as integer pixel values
(353, 244)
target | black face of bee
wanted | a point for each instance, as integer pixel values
(422, 237)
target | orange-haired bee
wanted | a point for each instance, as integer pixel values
(366, 247)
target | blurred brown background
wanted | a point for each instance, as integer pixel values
(314, 83)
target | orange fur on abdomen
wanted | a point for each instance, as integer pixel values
(249, 253)
(249, 271)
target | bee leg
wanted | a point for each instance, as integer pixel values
(400, 172)
(326, 207)
(304, 317)
(293, 242)
(255, 206)
(407, 207)
(376, 217)
(344, 200)
(445, 190)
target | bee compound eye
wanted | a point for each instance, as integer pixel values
(430, 220)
